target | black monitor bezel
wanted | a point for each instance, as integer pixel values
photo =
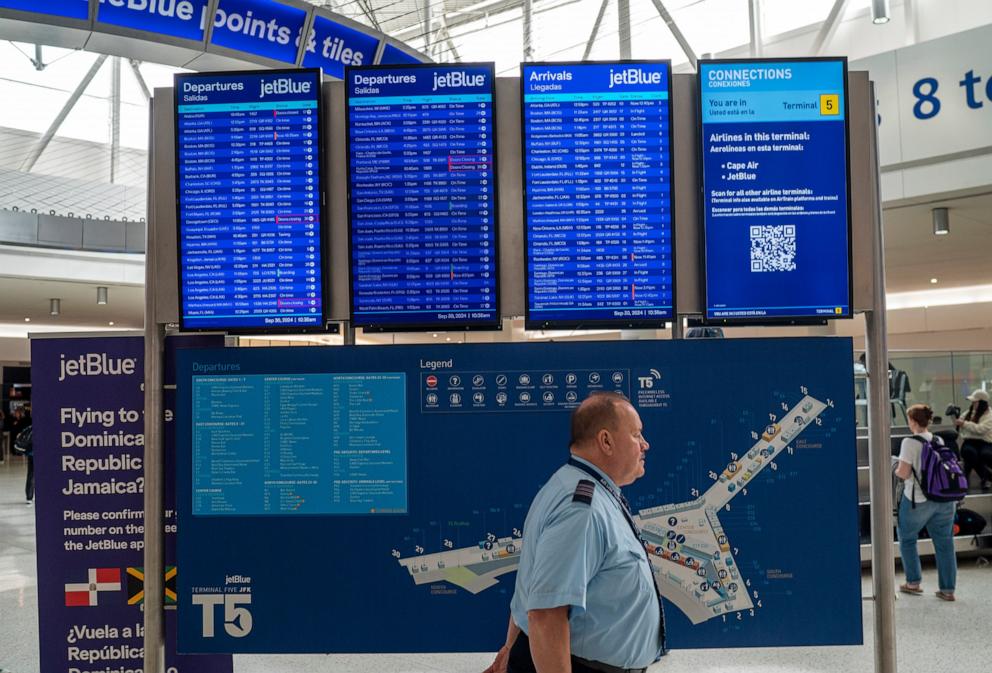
(324, 228)
(435, 326)
(798, 320)
(612, 323)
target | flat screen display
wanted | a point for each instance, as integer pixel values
(249, 187)
(422, 197)
(775, 195)
(597, 194)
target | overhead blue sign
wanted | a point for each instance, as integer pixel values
(775, 189)
(259, 27)
(70, 9)
(331, 46)
(177, 18)
(393, 55)
(281, 551)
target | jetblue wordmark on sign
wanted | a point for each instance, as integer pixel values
(633, 76)
(458, 78)
(284, 86)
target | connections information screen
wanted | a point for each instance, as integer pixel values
(249, 186)
(299, 444)
(422, 189)
(597, 164)
(775, 189)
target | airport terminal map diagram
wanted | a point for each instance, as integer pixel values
(690, 553)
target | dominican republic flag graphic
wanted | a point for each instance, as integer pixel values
(100, 579)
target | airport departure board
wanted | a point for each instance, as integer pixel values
(249, 186)
(422, 197)
(775, 196)
(597, 182)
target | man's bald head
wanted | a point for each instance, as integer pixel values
(599, 411)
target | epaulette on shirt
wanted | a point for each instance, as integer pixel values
(583, 491)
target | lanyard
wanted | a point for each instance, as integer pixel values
(617, 497)
(625, 508)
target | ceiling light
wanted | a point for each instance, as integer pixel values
(941, 221)
(27, 320)
(879, 11)
(111, 323)
(54, 306)
(101, 295)
(933, 281)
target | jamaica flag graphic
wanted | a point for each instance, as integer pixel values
(136, 586)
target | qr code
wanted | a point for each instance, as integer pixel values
(773, 248)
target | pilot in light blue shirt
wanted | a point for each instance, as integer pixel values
(583, 561)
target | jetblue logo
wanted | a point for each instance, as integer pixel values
(456, 79)
(283, 85)
(633, 76)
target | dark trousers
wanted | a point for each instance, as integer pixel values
(977, 456)
(520, 660)
(29, 484)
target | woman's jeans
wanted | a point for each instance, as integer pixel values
(938, 518)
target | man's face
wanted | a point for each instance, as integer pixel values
(629, 447)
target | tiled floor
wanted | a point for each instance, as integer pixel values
(932, 636)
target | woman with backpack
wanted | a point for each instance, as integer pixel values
(976, 432)
(916, 511)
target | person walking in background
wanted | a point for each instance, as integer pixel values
(917, 512)
(976, 432)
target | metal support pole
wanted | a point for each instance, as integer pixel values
(828, 28)
(154, 560)
(138, 76)
(757, 35)
(623, 21)
(912, 21)
(879, 453)
(115, 119)
(428, 29)
(39, 59)
(39, 147)
(676, 32)
(595, 30)
(528, 26)
(677, 331)
(348, 333)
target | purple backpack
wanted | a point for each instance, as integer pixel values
(941, 476)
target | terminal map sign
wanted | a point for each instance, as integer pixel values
(422, 187)
(448, 445)
(598, 197)
(248, 149)
(775, 189)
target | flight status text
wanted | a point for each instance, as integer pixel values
(597, 164)
(422, 185)
(248, 152)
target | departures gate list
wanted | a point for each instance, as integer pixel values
(597, 162)
(248, 155)
(422, 190)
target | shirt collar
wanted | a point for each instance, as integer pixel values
(599, 470)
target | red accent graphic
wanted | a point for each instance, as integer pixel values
(432, 381)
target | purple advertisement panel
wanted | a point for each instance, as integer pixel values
(89, 465)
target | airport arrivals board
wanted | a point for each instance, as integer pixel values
(250, 201)
(598, 196)
(775, 195)
(422, 197)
